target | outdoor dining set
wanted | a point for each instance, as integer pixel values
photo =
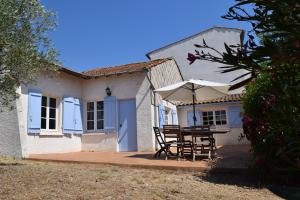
(187, 142)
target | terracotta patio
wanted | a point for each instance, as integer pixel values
(228, 158)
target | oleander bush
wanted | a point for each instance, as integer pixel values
(272, 119)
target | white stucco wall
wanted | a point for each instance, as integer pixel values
(53, 85)
(202, 69)
(127, 86)
(10, 144)
(230, 138)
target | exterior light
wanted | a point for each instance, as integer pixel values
(108, 91)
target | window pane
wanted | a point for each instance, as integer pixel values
(90, 125)
(52, 124)
(44, 101)
(100, 124)
(217, 112)
(90, 116)
(90, 106)
(99, 105)
(218, 122)
(44, 112)
(52, 113)
(52, 103)
(100, 115)
(43, 123)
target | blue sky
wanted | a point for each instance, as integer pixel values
(95, 33)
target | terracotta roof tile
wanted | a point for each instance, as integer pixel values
(122, 69)
(227, 98)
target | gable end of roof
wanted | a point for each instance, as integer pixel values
(195, 35)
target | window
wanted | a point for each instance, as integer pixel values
(100, 115)
(217, 117)
(208, 118)
(95, 115)
(220, 116)
(48, 113)
(90, 116)
(166, 117)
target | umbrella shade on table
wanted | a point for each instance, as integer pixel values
(193, 90)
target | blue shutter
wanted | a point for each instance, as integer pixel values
(174, 116)
(235, 117)
(34, 112)
(190, 119)
(199, 118)
(110, 112)
(68, 115)
(78, 116)
(161, 115)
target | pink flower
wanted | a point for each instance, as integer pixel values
(192, 58)
(246, 120)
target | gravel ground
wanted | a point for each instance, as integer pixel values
(22, 179)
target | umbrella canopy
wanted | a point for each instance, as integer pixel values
(193, 90)
(203, 90)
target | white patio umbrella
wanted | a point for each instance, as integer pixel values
(195, 90)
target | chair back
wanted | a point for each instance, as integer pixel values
(159, 137)
(172, 132)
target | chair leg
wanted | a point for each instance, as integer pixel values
(194, 156)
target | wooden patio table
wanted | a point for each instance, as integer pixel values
(199, 133)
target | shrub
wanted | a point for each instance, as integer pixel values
(272, 119)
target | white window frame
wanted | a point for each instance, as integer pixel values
(87, 111)
(214, 116)
(101, 119)
(95, 129)
(47, 129)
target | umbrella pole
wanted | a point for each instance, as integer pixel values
(194, 117)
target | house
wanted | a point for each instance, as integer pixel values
(223, 113)
(105, 109)
(115, 108)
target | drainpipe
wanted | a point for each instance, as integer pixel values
(152, 88)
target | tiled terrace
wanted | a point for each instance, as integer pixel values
(228, 158)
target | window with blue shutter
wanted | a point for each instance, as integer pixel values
(68, 115)
(110, 113)
(78, 116)
(190, 118)
(161, 109)
(34, 112)
(174, 116)
(235, 117)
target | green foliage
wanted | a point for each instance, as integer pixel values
(271, 57)
(272, 107)
(25, 49)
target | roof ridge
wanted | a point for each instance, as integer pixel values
(122, 65)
